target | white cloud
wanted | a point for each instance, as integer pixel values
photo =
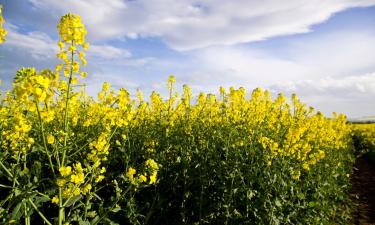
(190, 24)
(350, 87)
(352, 95)
(108, 52)
(40, 45)
(334, 54)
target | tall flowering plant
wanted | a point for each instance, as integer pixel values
(55, 142)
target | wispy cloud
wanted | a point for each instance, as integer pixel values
(109, 52)
(37, 44)
(187, 24)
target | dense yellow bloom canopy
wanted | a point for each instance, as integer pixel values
(50, 118)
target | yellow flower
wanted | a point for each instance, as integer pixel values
(295, 174)
(130, 173)
(99, 178)
(61, 45)
(55, 200)
(77, 178)
(74, 80)
(86, 189)
(71, 29)
(75, 67)
(2, 31)
(60, 182)
(78, 167)
(153, 177)
(50, 139)
(65, 171)
(105, 86)
(86, 46)
(72, 48)
(143, 178)
(83, 74)
(171, 80)
(152, 164)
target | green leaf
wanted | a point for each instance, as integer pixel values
(118, 208)
(91, 214)
(81, 222)
(278, 203)
(17, 213)
(73, 200)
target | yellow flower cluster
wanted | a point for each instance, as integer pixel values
(45, 117)
(15, 129)
(281, 129)
(33, 88)
(71, 29)
(149, 175)
(3, 32)
(72, 39)
(99, 150)
(72, 182)
(364, 136)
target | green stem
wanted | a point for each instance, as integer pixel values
(14, 177)
(86, 204)
(66, 124)
(113, 206)
(6, 186)
(61, 208)
(39, 212)
(44, 138)
(7, 171)
(27, 217)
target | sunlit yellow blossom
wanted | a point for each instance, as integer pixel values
(77, 178)
(106, 86)
(71, 29)
(153, 177)
(152, 164)
(143, 178)
(55, 200)
(171, 81)
(86, 46)
(50, 139)
(75, 67)
(86, 188)
(99, 178)
(130, 173)
(295, 174)
(83, 74)
(65, 171)
(74, 80)
(60, 182)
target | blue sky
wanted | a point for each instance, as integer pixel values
(322, 50)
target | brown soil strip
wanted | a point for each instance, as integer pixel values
(363, 181)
